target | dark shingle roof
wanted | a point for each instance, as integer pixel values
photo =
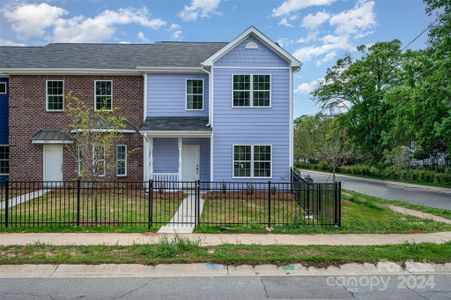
(176, 124)
(51, 134)
(108, 56)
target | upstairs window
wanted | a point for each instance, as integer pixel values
(55, 95)
(3, 88)
(251, 90)
(103, 95)
(121, 160)
(252, 161)
(194, 94)
(4, 160)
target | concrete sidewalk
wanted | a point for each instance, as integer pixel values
(217, 239)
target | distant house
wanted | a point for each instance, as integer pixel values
(196, 110)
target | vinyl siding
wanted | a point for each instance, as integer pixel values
(242, 57)
(166, 155)
(166, 95)
(251, 125)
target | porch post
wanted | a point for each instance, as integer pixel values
(151, 157)
(180, 158)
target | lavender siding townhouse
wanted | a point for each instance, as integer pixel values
(228, 119)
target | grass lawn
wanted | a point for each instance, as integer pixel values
(431, 210)
(183, 251)
(360, 214)
(120, 210)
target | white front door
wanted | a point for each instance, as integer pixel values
(190, 162)
(53, 163)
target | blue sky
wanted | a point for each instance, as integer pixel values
(315, 31)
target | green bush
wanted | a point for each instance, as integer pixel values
(441, 176)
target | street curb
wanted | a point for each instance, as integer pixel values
(207, 270)
(441, 190)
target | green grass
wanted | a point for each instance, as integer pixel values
(360, 214)
(181, 251)
(431, 210)
(56, 212)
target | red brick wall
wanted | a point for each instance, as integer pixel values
(27, 115)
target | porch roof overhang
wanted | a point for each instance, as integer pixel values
(51, 136)
(108, 127)
(176, 126)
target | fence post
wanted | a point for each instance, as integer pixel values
(78, 201)
(336, 204)
(339, 204)
(269, 204)
(150, 204)
(197, 203)
(6, 202)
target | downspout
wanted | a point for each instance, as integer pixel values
(210, 116)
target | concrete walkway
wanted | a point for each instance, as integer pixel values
(24, 198)
(208, 269)
(184, 219)
(217, 239)
(418, 214)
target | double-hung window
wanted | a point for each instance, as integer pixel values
(4, 160)
(55, 95)
(103, 94)
(252, 161)
(98, 159)
(194, 94)
(121, 160)
(252, 90)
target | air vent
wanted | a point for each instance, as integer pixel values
(251, 45)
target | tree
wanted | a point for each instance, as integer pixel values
(94, 134)
(354, 90)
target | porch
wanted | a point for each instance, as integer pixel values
(176, 149)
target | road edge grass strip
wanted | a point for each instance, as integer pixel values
(184, 251)
(444, 213)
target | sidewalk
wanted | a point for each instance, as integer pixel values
(217, 239)
(388, 182)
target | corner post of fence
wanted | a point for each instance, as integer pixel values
(6, 201)
(336, 204)
(78, 201)
(269, 204)
(150, 200)
(197, 203)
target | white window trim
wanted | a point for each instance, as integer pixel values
(104, 159)
(47, 96)
(6, 88)
(252, 162)
(95, 95)
(186, 94)
(78, 162)
(251, 91)
(125, 160)
(8, 160)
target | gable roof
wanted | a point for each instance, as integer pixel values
(252, 31)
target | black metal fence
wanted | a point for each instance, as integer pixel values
(159, 203)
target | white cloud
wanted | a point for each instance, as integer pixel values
(32, 19)
(142, 37)
(291, 6)
(355, 21)
(327, 58)
(199, 8)
(311, 36)
(10, 43)
(307, 87)
(313, 21)
(48, 21)
(284, 22)
(102, 27)
(330, 43)
(176, 30)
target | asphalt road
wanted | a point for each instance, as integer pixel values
(414, 195)
(282, 287)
